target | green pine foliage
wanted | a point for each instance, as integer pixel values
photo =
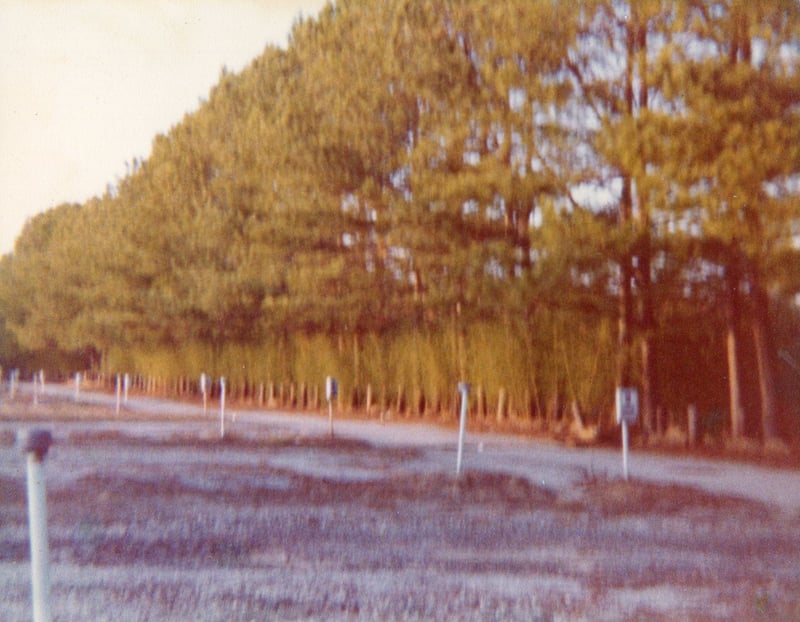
(543, 199)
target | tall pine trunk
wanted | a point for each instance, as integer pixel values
(648, 344)
(625, 335)
(732, 316)
(647, 316)
(625, 301)
(763, 346)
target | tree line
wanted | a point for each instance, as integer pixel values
(546, 199)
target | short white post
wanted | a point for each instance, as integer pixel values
(35, 392)
(12, 382)
(222, 407)
(35, 445)
(463, 388)
(204, 391)
(119, 393)
(77, 385)
(126, 385)
(331, 392)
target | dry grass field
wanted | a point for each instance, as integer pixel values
(154, 518)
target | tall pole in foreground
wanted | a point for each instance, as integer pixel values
(463, 388)
(35, 445)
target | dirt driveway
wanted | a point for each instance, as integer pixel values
(153, 517)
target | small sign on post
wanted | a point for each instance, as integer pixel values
(331, 393)
(627, 410)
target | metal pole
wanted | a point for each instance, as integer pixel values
(35, 446)
(463, 388)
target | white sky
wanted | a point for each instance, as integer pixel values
(85, 85)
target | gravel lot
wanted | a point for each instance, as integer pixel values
(153, 517)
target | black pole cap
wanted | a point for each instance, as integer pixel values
(36, 441)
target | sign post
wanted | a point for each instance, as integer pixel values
(331, 393)
(119, 392)
(204, 391)
(627, 409)
(463, 388)
(126, 387)
(222, 407)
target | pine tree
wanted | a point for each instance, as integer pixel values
(736, 93)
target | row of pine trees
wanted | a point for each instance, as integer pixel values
(547, 199)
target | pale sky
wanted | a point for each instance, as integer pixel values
(85, 85)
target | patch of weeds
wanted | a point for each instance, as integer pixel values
(610, 497)
(762, 603)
